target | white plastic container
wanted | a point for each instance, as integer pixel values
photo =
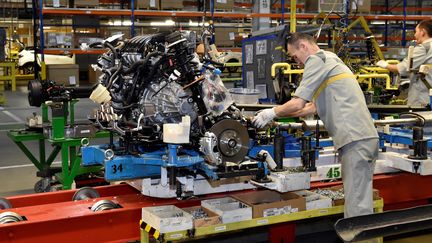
(177, 132)
(244, 95)
(167, 218)
(229, 209)
(100, 95)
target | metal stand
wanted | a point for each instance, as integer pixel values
(67, 147)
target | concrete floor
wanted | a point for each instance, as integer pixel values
(17, 173)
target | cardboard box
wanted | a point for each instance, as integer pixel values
(86, 3)
(317, 6)
(211, 219)
(66, 74)
(221, 5)
(341, 201)
(229, 209)
(314, 200)
(270, 203)
(147, 4)
(93, 76)
(361, 6)
(56, 3)
(167, 218)
(171, 4)
(224, 4)
(225, 36)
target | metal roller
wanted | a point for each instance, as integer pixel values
(85, 193)
(10, 217)
(103, 205)
(4, 203)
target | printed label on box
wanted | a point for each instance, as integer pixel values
(220, 228)
(72, 80)
(262, 221)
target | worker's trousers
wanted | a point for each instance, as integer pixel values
(358, 163)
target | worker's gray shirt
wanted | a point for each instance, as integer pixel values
(418, 93)
(341, 105)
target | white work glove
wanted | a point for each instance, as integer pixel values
(382, 63)
(263, 117)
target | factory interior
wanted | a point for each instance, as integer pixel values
(305, 121)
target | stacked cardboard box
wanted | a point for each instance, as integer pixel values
(226, 5)
(65, 74)
(86, 3)
(171, 4)
(271, 203)
(56, 3)
(167, 218)
(225, 36)
(202, 216)
(229, 209)
(147, 4)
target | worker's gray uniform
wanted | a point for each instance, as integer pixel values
(342, 108)
(418, 93)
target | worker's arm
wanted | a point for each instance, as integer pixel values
(295, 107)
(314, 74)
(308, 109)
(419, 56)
(393, 68)
(292, 108)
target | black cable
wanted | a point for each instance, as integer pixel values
(422, 119)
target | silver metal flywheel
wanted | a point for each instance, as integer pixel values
(233, 140)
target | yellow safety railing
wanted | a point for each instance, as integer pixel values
(369, 78)
(286, 69)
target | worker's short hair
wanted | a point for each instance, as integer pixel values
(294, 38)
(426, 24)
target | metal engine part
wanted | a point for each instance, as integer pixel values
(166, 102)
(232, 140)
(208, 146)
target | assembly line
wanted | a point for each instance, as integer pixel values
(311, 131)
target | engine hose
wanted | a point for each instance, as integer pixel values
(141, 62)
(114, 76)
(154, 68)
(113, 50)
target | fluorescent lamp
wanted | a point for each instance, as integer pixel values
(168, 22)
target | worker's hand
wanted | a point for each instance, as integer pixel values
(263, 117)
(382, 63)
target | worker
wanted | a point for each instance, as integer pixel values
(330, 89)
(2, 44)
(418, 91)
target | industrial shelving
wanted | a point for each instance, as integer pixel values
(225, 16)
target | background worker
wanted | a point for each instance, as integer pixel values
(2, 44)
(329, 88)
(418, 91)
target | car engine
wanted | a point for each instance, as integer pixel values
(155, 79)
